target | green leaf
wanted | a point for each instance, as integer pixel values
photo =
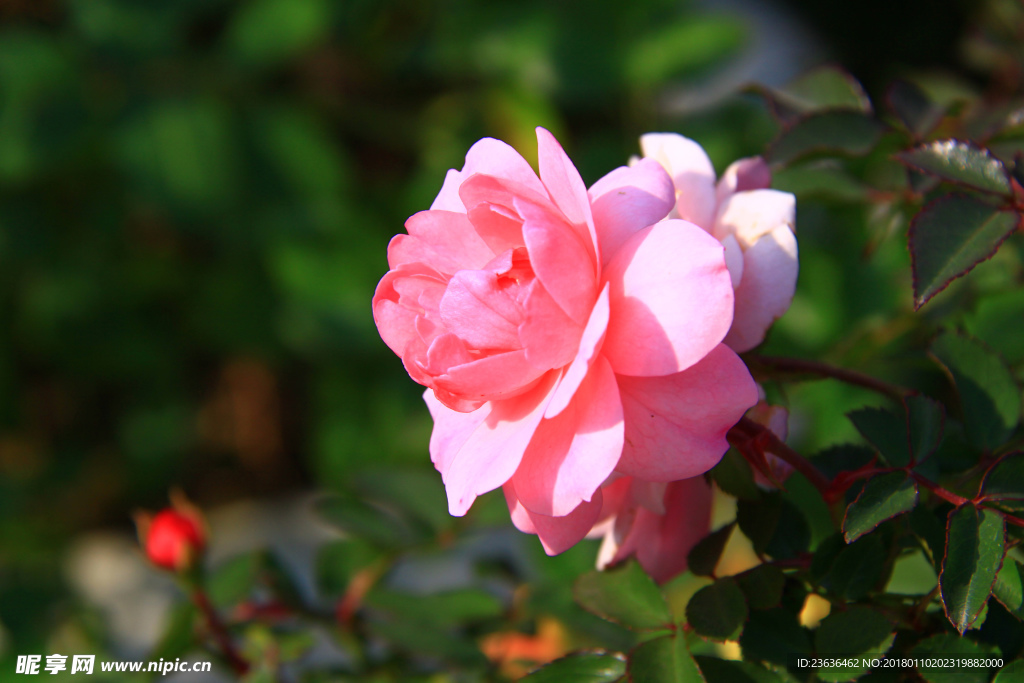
(703, 557)
(626, 595)
(734, 476)
(820, 178)
(951, 235)
(1004, 481)
(822, 89)
(380, 526)
(925, 420)
(960, 162)
(411, 636)
(717, 670)
(233, 580)
(268, 31)
(179, 634)
(845, 457)
(339, 561)
(774, 525)
(845, 132)
(886, 431)
(913, 107)
(595, 666)
(664, 660)
(418, 492)
(718, 611)
(682, 47)
(1009, 587)
(1011, 673)
(857, 568)
(931, 532)
(883, 497)
(762, 586)
(945, 646)
(989, 395)
(439, 610)
(857, 632)
(975, 542)
(774, 635)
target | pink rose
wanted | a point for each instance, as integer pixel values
(658, 523)
(754, 224)
(563, 335)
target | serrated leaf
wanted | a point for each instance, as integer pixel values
(960, 162)
(845, 457)
(774, 635)
(822, 178)
(703, 557)
(821, 89)
(774, 525)
(975, 542)
(989, 395)
(884, 496)
(595, 666)
(762, 586)
(857, 632)
(885, 430)
(857, 568)
(664, 660)
(945, 646)
(844, 132)
(717, 670)
(1004, 481)
(718, 611)
(930, 532)
(626, 595)
(734, 476)
(379, 526)
(1009, 587)
(913, 107)
(951, 235)
(925, 421)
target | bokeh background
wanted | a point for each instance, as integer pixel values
(196, 197)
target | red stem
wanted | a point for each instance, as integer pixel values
(942, 493)
(220, 632)
(746, 429)
(812, 367)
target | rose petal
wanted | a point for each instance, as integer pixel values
(449, 234)
(671, 299)
(662, 542)
(499, 376)
(480, 311)
(490, 455)
(627, 200)
(560, 260)
(490, 157)
(750, 215)
(550, 337)
(733, 260)
(769, 282)
(572, 454)
(676, 424)
(451, 430)
(589, 345)
(566, 188)
(751, 173)
(556, 534)
(692, 174)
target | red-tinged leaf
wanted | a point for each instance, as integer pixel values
(950, 236)
(1004, 481)
(883, 497)
(975, 544)
(913, 107)
(826, 88)
(962, 163)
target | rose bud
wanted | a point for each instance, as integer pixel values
(174, 538)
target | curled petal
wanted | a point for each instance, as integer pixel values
(769, 281)
(750, 215)
(742, 175)
(671, 299)
(691, 171)
(676, 424)
(448, 234)
(573, 453)
(477, 309)
(627, 200)
(490, 454)
(589, 345)
(556, 534)
(566, 188)
(490, 157)
(496, 377)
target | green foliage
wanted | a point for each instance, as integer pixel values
(664, 660)
(718, 611)
(975, 544)
(882, 498)
(704, 556)
(581, 667)
(626, 595)
(962, 163)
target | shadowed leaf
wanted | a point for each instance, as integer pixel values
(845, 132)
(886, 431)
(717, 611)
(913, 107)
(1009, 587)
(925, 421)
(762, 586)
(883, 497)
(582, 667)
(624, 594)
(945, 646)
(950, 236)
(704, 556)
(664, 660)
(857, 632)
(1004, 481)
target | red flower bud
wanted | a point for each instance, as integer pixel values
(174, 538)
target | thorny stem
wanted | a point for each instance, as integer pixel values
(746, 429)
(220, 632)
(812, 367)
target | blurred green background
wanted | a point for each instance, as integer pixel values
(196, 196)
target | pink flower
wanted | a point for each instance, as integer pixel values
(658, 523)
(563, 335)
(754, 223)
